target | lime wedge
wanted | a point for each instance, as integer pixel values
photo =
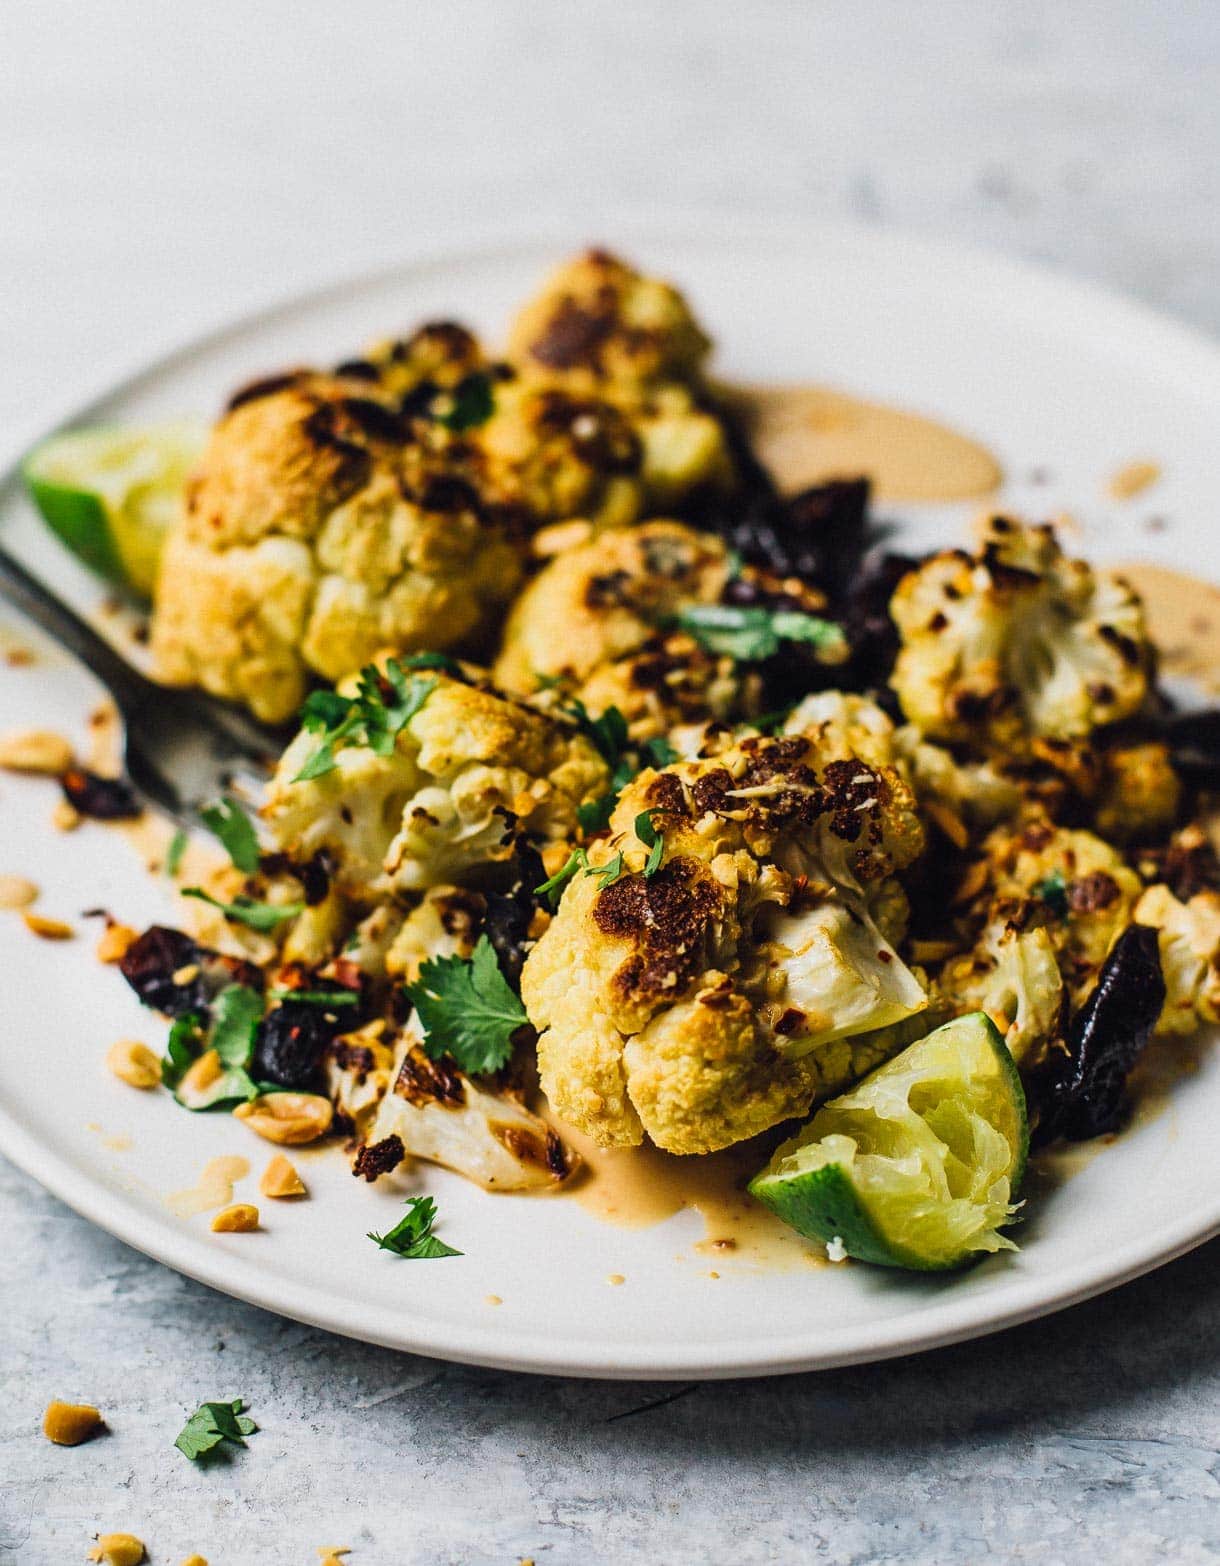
(112, 494)
(919, 1164)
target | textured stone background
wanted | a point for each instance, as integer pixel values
(162, 167)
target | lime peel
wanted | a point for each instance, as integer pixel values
(918, 1165)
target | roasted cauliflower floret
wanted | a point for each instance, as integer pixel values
(466, 772)
(1014, 977)
(602, 601)
(597, 320)
(1140, 793)
(1016, 641)
(323, 525)
(1189, 941)
(706, 989)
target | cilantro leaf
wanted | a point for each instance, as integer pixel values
(248, 910)
(433, 660)
(230, 823)
(236, 1014)
(552, 888)
(412, 1237)
(471, 403)
(182, 1047)
(607, 732)
(212, 1423)
(384, 703)
(317, 997)
(595, 816)
(177, 847)
(1052, 890)
(652, 840)
(657, 753)
(748, 635)
(467, 1010)
(608, 873)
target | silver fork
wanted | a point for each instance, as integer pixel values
(181, 749)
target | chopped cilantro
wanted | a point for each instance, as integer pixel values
(230, 823)
(625, 760)
(552, 888)
(248, 910)
(177, 847)
(595, 816)
(608, 873)
(1052, 890)
(657, 753)
(607, 732)
(318, 997)
(470, 403)
(236, 1014)
(212, 1423)
(384, 703)
(433, 660)
(412, 1237)
(652, 840)
(467, 1010)
(185, 1038)
(749, 635)
(771, 722)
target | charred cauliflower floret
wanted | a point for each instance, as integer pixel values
(603, 600)
(324, 524)
(1016, 641)
(597, 320)
(465, 773)
(1013, 975)
(1140, 793)
(1189, 941)
(709, 983)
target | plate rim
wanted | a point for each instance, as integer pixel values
(1086, 306)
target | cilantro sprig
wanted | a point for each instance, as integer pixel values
(412, 1237)
(230, 823)
(652, 841)
(177, 847)
(247, 910)
(470, 403)
(467, 1010)
(233, 1032)
(750, 634)
(1052, 890)
(578, 859)
(212, 1423)
(384, 703)
(610, 738)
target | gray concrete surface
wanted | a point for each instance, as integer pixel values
(162, 167)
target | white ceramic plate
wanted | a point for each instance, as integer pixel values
(1052, 378)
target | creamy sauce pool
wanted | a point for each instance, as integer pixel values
(808, 434)
(1184, 620)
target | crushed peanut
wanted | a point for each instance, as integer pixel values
(194, 1560)
(68, 1424)
(241, 1218)
(199, 1077)
(288, 1118)
(1132, 479)
(135, 1063)
(48, 929)
(16, 891)
(116, 940)
(280, 1179)
(65, 817)
(35, 750)
(118, 1549)
(185, 975)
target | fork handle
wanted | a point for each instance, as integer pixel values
(26, 593)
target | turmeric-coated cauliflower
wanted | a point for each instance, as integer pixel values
(1016, 641)
(710, 981)
(465, 773)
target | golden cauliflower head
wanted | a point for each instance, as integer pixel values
(704, 990)
(466, 773)
(1017, 641)
(597, 320)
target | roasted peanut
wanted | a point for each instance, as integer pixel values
(16, 891)
(48, 929)
(118, 1549)
(280, 1179)
(68, 1424)
(115, 942)
(134, 1063)
(288, 1118)
(35, 750)
(241, 1218)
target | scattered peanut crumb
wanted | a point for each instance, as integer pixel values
(68, 1424)
(194, 1560)
(65, 817)
(48, 929)
(1132, 479)
(330, 1553)
(118, 1549)
(280, 1179)
(493, 1299)
(35, 750)
(115, 943)
(185, 975)
(16, 891)
(241, 1218)
(713, 1274)
(616, 1278)
(134, 1063)
(20, 657)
